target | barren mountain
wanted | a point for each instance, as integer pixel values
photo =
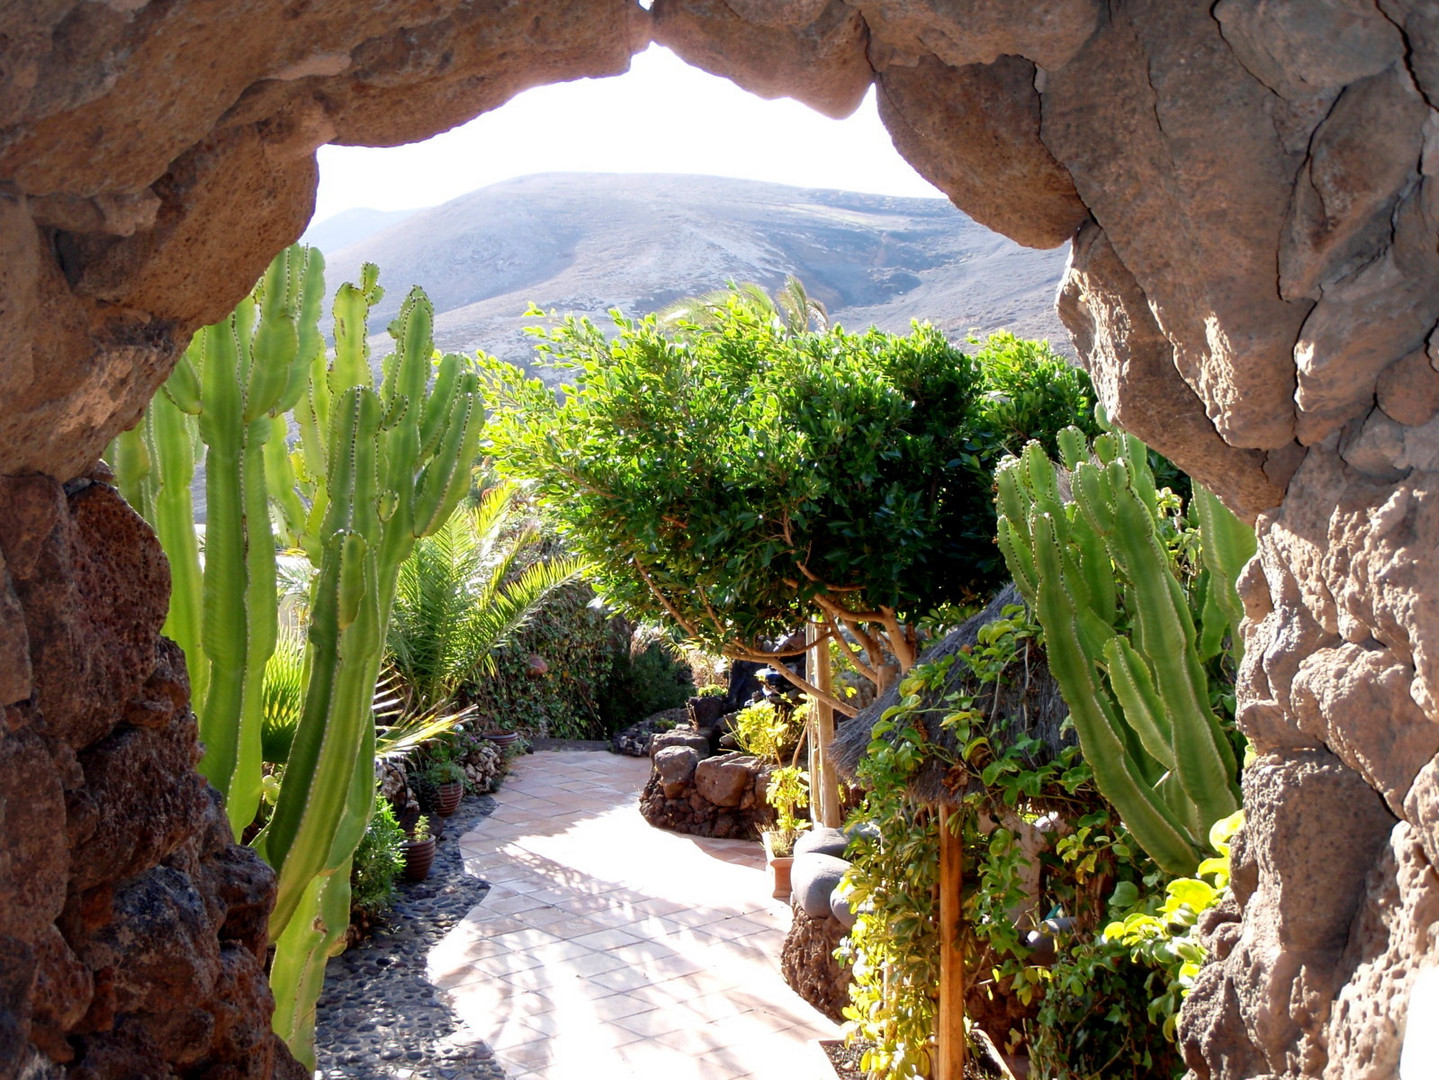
(585, 243)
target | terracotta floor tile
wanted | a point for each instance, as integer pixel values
(604, 940)
(626, 952)
(624, 978)
(655, 1022)
(559, 952)
(533, 1055)
(609, 1009)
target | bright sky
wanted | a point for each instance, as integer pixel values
(661, 116)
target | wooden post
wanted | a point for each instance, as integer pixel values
(949, 1022)
(823, 782)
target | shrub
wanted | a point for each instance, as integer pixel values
(768, 732)
(643, 683)
(1103, 1007)
(443, 771)
(579, 643)
(378, 861)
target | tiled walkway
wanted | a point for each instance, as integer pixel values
(609, 949)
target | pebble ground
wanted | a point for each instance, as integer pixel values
(379, 1018)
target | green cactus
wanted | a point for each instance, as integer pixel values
(238, 378)
(297, 971)
(229, 391)
(375, 471)
(1122, 635)
(380, 470)
(154, 465)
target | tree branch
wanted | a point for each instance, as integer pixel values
(853, 655)
(685, 624)
(736, 651)
(899, 639)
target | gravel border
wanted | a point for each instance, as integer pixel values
(379, 1018)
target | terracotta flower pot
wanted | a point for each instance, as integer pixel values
(502, 739)
(447, 798)
(779, 866)
(419, 857)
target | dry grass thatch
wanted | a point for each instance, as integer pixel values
(1027, 702)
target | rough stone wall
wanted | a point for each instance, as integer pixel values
(1250, 188)
(132, 927)
(807, 963)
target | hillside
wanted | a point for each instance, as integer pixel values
(589, 242)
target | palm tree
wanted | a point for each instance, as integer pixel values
(791, 307)
(462, 595)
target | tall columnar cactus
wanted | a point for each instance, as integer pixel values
(247, 373)
(377, 468)
(380, 468)
(154, 466)
(231, 388)
(1125, 639)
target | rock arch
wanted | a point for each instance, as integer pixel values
(1250, 188)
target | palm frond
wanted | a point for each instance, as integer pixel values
(462, 594)
(282, 694)
(798, 308)
(491, 626)
(412, 730)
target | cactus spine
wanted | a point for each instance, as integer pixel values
(1121, 633)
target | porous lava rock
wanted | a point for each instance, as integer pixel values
(808, 963)
(1254, 285)
(133, 927)
(693, 790)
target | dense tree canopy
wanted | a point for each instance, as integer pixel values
(738, 479)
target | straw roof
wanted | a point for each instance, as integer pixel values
(1027, 703)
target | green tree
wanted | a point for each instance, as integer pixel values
(738, 479)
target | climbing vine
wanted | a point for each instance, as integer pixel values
(1045, 855)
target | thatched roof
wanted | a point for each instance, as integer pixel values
(1028, 703)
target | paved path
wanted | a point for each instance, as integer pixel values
(609, 949)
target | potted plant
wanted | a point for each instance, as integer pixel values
(500, 737)
(447, 780)
(788, 792)
(377, 864)
(777, 734)
(419, 851)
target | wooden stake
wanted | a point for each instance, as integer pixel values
(824, 783)
(949, 1023)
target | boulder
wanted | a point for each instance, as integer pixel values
(839, 907)
(691, 792)
(680, 737)
(821, 840)
(675, 767)
(813, 878)
(727, 779)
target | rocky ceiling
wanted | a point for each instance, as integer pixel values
(1249, 187)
